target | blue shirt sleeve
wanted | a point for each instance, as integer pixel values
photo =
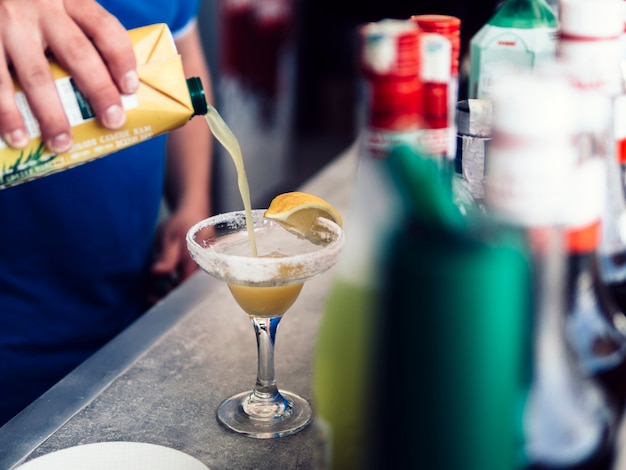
(185, 17)
(179, 15)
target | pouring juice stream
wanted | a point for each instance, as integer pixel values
(225, 136)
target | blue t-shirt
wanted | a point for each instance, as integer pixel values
(75, 248)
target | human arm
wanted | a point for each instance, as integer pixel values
(90, 43)
(188, 174)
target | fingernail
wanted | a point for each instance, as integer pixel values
(130, 82)
(16, 138)
(60, 143)
(114, 117)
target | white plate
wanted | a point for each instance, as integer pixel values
(115, 456)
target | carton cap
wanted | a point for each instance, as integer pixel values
(198, 98)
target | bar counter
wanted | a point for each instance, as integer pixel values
(161, 380)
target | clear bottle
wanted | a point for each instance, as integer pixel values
(435, 58)
(450, 28)
(590, 49)
(531, 162)
(344, 352)
(519, 36)
(613, 246)
(591, 311)
(436, 55)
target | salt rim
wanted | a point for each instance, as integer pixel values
(260, 271)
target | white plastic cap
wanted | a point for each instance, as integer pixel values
(436, 58)
(592, 18)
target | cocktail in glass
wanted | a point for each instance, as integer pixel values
(264, 286)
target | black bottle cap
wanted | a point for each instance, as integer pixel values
(198, 98)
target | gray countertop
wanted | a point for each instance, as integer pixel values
(161, 380)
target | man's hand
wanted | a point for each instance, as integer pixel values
(86, 40)
(173, 264)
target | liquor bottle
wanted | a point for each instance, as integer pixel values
(435, 76)
(519, 36)
(450, 28)
(436, 55)
(589, 46)
(361, 415)
(451, 325)
(567, 421)
(344, 354)
(599, 345)
(613, 247)
(419, 354)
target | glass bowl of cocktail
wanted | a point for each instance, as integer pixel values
(265, 257)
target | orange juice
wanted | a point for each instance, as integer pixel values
(265, 301)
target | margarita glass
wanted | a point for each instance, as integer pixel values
(264, 286)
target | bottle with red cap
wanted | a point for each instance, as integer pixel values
(435, 57)
(450, 28)
(389, 59)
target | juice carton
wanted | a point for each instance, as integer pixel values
(164, 100)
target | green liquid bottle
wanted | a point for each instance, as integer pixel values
(346, 345)
(421, 359)
(520, 35)
(453, 329)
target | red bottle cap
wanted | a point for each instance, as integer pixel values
(448, 26)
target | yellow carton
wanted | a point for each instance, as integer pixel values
(164, 101)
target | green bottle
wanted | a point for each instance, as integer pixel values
(421, 359)
(520, 35)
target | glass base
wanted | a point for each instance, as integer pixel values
(283, 415)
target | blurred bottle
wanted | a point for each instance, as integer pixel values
(613, 245)
(567, 421)
(591, 328)
(450, 330)
(589, 47)
(414, 352)
(435, 76)
(450, 28)
(237, 27)
(519, 36)
(436, 55)
(346, 343)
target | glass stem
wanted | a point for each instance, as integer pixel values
(265, 401)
